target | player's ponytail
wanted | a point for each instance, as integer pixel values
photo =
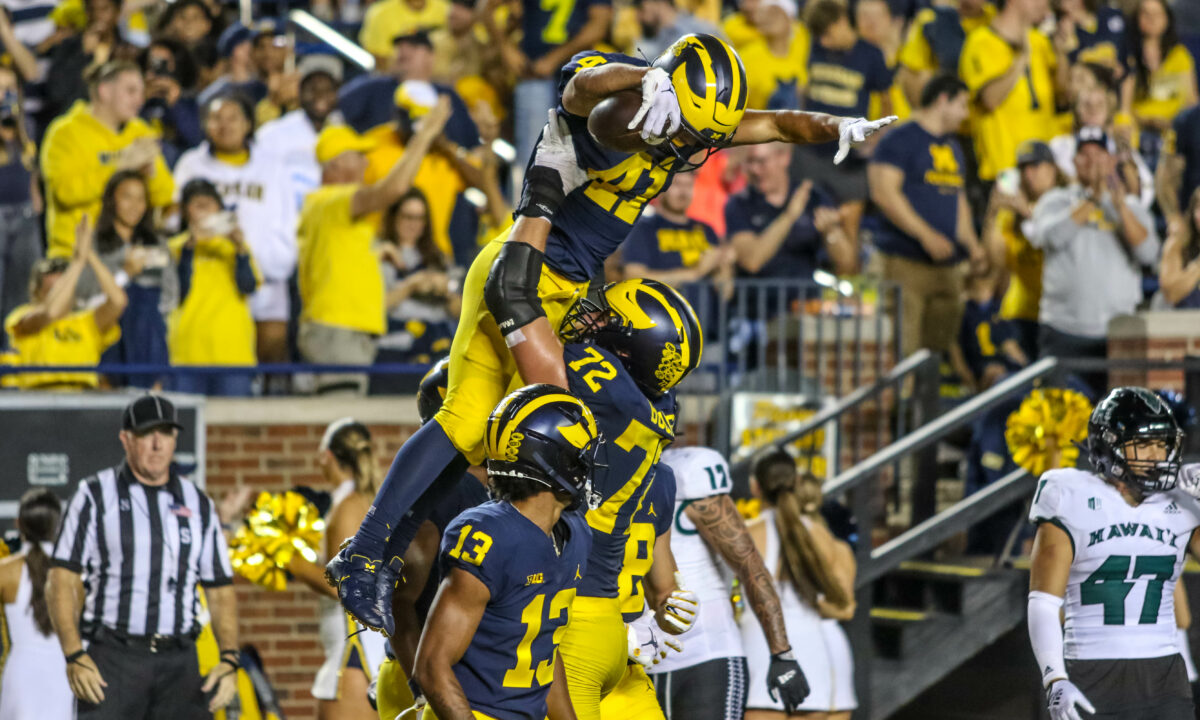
(351, 447)
(38, 517)
(797, 503)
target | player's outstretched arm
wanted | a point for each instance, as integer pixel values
(453, 619)
(720, 526)
(806, 128)
(558, 700)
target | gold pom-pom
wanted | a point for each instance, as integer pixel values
(1042, 433)
(749, 508)
(5, 550)
(279, 526)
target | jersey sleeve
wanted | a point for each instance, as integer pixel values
(662, 492)
(587, 59)
(1048, 500)
(468, 545)
(699, 473)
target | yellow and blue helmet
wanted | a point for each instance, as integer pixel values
(645, 323)
(544, 434)
(431, 393)
(710, 82)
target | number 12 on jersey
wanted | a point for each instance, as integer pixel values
(1109, 587)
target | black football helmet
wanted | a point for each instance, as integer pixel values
(432, 390)
(545, 434)
(1125, 419)
(648, 325)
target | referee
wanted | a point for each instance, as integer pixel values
(133, 544)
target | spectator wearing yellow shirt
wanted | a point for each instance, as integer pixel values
(1163, 71)
(341, 285)
(1015, 77)
(388, 19)
(935, 41)
(777, 62)
(213, 324)
(49, 331)
(739, 26)
(1005, 235)
(83, 148)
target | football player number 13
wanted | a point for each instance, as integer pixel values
(529, 668)
(1109, 587)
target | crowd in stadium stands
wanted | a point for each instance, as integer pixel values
(179, 187)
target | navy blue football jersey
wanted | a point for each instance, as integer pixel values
(635, 431)
(652, 519)
(596, 217)
(509, 665)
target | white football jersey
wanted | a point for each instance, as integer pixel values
(1120, 600)
(701, 473)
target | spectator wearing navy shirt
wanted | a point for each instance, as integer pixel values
(917, 182)
(987, 347)
(843, 72)
(369, 101)
(667, 245)
(781, 229)
(548, 41)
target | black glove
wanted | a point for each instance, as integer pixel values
(786, 679)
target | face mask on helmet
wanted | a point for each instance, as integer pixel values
(1149, 463)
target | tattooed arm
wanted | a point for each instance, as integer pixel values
(717, 520)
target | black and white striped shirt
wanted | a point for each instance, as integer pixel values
(141, 550)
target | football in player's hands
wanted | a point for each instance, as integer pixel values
(609, 122)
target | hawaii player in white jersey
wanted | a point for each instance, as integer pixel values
(1110, 547)
(708, 680)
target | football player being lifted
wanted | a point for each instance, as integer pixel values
(1110, 547)
(579, 201)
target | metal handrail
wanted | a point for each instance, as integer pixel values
(939, 428)
(927, 535)
(834, 412)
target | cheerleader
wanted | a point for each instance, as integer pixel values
(34, 685)
(814, 575)
(352, 656)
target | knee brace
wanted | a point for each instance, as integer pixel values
(511, 288)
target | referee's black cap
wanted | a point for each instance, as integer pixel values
(149, 412)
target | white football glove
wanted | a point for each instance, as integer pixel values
(682, 608)
(556, 150)
(854, 130)
(646, 645)
(1063, 698)
(1189, 479)
(660, 107)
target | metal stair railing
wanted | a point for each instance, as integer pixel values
(929, 529)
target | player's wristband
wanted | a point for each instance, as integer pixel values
(542, 193)
(74, 657)
(511, 288)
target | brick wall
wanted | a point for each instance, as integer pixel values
(282, 625)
